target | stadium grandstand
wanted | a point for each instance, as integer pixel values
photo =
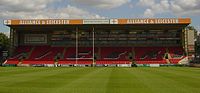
(100, 42)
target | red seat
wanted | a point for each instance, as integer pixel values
(120, 55)
(112, 62)
(142, 55)
(152, 62)
(174, 59)
(38, 62)
(105, 55)
(43, 55)
(74, 62)
(17, 54)
(12, 62)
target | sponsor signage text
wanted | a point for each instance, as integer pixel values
(97, 21)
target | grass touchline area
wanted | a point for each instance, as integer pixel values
(99, 80)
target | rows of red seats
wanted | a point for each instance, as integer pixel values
(121, 51)
(143, 55)
(18, 53)
(71, 62)
(43, 55)
(177, 54)
(104, 55)
(114, 55)
(19, 50)
(113, 62)
(85, 55)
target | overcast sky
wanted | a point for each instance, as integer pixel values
(39, 9)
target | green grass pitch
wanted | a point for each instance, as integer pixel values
(99, 80)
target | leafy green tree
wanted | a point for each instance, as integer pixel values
(4, 41)
(197, 49)
(4, 45)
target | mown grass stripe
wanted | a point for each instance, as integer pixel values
(78, 85)
(100, 80)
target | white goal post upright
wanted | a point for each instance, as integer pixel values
(76, 46)
(93, 46)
